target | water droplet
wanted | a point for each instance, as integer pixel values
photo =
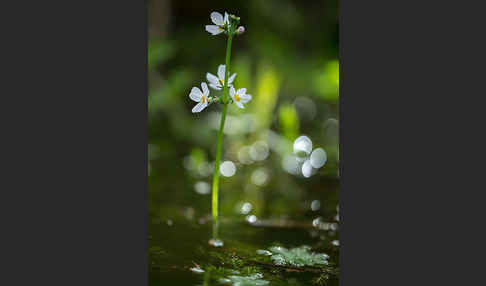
(318, 158)
(320, 224)
(307, 169)
(227, 169)
(334, 226)
(197, 269)
(259, 177)
(315, 205)
(245, 208)
(216, 242)
(251, 218)
(263, 252)
(302, 146)
(202, 188)
(259, 151)
(224, 280)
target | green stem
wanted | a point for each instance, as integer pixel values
(220, 139)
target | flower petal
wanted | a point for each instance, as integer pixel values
(215, 86)
(213, 29)
(195, 94)
(221, 70)
(232, 92)
(226, 19)
(217, 18)
(245, 98)
(212, 79)
(231, 78)
(239, 104)
(205, 89)
(241, 91)
(199, 107)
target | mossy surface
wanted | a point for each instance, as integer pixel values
(176, 253)
(298, 256)
(239, 264)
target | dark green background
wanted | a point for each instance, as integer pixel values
(288, 61)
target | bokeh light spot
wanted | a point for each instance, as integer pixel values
(227, 169)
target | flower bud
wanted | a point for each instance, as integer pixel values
(240, 30)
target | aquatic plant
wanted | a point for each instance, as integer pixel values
(251, 280)
(298, 256)
(227, 25)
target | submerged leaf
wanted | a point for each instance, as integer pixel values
(298, 256)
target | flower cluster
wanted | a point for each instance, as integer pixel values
(227, 25)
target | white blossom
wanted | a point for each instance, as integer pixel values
(217, 83)
(200, 97)
(221, 23)
(239, 96)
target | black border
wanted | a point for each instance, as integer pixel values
(74, 138)
(74, 187)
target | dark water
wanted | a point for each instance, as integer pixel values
(180, 228)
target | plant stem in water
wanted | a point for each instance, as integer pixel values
(220, 140)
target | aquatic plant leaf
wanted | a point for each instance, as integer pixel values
(298, 256)
(251, 280)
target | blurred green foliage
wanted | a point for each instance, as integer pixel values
(288, 61)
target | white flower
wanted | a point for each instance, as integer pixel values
(217, 83)
(220, 22)
(201, 97)
(239, 96)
